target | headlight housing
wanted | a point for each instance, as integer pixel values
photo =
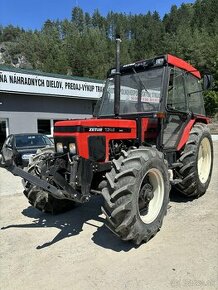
(72, 148)
(59, 147)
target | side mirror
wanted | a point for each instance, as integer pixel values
(208, 82)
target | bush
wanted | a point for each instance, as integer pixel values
(211, 103)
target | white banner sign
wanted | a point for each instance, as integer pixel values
(130, 94)
(36, 84)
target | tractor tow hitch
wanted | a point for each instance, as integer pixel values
(68, 191)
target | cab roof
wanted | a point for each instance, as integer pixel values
(178, 62)
(160, 61)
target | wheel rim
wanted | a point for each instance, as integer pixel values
(204, 160)
(151, 195)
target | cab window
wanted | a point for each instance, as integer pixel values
(195, 96)
(176, 99)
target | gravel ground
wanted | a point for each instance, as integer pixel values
(215, 137)
(76, 251)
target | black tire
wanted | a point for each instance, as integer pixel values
(39, 198)
(126, 182)
(193, 185)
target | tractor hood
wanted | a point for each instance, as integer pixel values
(95, 125)
(92, 137)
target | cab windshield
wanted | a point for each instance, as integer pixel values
(139, 92)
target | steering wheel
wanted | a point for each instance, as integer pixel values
(142, 107)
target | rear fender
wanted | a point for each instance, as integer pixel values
(186, 132)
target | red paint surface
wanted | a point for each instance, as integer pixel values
(144, 127)
(185, 134)
(149, 128)
(82, 137)
(173, 60)
(202, 119)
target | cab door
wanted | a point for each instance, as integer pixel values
(177, 109)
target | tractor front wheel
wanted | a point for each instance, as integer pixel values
(137, 194)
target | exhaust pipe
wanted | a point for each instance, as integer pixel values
(117, 78)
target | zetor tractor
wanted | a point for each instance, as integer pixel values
(149, 133)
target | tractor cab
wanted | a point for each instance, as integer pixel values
(162, 94)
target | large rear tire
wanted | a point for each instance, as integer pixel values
(137, 194)
(39, 198)
(197, 162)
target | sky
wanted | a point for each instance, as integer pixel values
(31, 14)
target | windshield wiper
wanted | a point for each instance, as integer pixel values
(141, 82)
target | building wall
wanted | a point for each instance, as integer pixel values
(23, 111)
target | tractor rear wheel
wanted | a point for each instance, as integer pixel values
(197, 162)
(39, 198)
(137, 194)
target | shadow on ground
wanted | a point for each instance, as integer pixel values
(177, 197)
(71, 224)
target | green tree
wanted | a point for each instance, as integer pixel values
(78, 18)
(211, 103)
(85, 44)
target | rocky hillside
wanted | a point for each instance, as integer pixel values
(17, 60)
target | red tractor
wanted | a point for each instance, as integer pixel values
(149, 133)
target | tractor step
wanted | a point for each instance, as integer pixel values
(175, 164)
(175, 181)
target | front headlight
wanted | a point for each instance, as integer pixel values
(59, 147)
(72, 148)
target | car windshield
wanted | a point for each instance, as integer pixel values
(139, 92)
(32, 141)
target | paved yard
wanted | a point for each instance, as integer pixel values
(76, 251)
